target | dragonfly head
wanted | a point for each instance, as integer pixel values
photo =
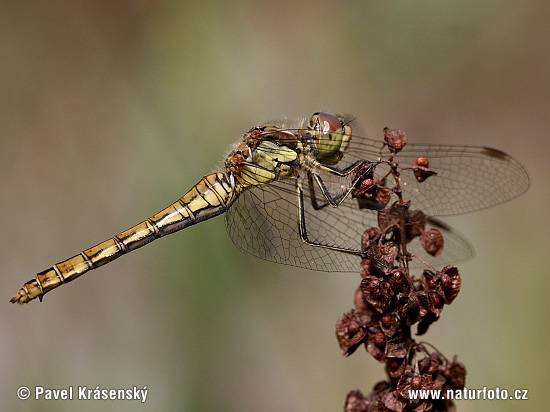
(330, 136)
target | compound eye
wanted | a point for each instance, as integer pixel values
(328, 123)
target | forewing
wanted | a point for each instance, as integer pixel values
(468, 178)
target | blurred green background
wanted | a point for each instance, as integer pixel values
(112, 110)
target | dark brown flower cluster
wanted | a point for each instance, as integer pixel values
(431, 373)
(390, 301)
(369, 191)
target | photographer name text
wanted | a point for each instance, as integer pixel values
(84, 393)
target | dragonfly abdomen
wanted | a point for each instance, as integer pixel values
(210, 197)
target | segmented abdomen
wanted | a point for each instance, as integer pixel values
(211, 196)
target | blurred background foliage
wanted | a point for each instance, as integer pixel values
(112, 110)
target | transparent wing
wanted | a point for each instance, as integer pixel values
(264, 222)
(468, 178)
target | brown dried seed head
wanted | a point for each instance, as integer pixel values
(416, 382)
(422, 174)
(379, 340)
(376, 344)
(430, 364)
(386, 321)
(395, 139)
(349, 332)
(390, 218)
(396, 354)
(391, 401)
(413, 307)
(436, 303)
(378, 292)
(368, 236)
(372, 232)
(389, 324)
(355, 402)
(455, 373)
(372, 195)
(422, 162)
(413, 381)
(395, 365)
(366, 185)
(430, 278)
(453, 287)
(399, 281)
(432, 241)
(446, 282)
(398, 350)
(368, 266)
(421, 169)
(394, 216)
(388, 253)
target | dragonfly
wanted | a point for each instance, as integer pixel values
(285, 190)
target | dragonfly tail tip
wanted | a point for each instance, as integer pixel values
(20, 298)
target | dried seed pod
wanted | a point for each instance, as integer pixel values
(370, 236)
(455, 374)
(421, 169)
(414, 381)
(393, 402)
(396, 354)
(422, 162)
(389, 324)
(430, 364)
(378, 292)
(355, 402)
(395, 139)
(413, 307)
(452, 288)
(349, 332)
(376, 344)
(432, 241)
(399, 217)
(371, 194)
(399, 281)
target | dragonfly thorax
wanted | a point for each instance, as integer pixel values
(256, 161)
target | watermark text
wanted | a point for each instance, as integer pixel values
(84, 393)
(470, 394)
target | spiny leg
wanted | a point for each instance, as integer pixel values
(302, 229)
(335, 200)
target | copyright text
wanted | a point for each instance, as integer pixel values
(83, 393)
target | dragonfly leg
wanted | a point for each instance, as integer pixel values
(303, 229)
(317, 205)
(335, 200)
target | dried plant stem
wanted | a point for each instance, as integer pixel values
(389, 300)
